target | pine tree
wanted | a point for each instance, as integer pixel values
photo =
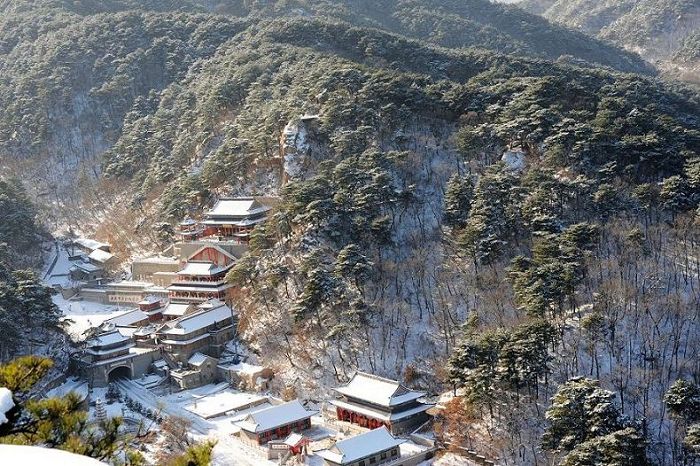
(691, 443)
(56, 422)
(458, 199)
(580, 411)
(683, 401)
(625, 447)
(493, 218)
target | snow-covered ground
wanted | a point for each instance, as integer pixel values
(30, 456)
(86, 314)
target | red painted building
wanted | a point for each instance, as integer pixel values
(203, 276)
(371, 401)
(275, 423)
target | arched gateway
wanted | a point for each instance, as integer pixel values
(121, 372)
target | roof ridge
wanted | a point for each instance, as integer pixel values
(378, 377)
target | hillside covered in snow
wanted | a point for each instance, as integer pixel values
(469, 198)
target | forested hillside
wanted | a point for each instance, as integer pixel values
(458, 211)
(663, 31)
(72, 71)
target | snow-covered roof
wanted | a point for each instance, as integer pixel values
(6, 404)
(237, 207)
(204, 287)
(108, 338)
(160, 363)
(22, 454)
(128, 318)
(156, 260)
(276, 416)
(210, 304)
(90, 244)
(206, 269)
(144, 331)
(378, 390)
(176, 309)
(361, 446)
(85, 266)
(150, 299)
(199, 320)
(293, 439)
(101, 256)
(197, 359)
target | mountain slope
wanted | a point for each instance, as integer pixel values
(657, 29)
(427, 195)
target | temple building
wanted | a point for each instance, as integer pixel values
(200, 370)
(371, 401)
(113, 355)
(153, 307)
(206, 330)
(234, 218)
(203, 276)
(274, 423)
(375, 447)
(189, 230)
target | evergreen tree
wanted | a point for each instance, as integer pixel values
(493, 217)
(458, 199)
(625, 447)
(580, 411)
(683, 401)
(57, 422)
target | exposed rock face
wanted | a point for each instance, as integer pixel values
(296, 146)
(514, 159)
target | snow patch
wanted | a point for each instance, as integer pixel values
(6, 403)
(20, 454)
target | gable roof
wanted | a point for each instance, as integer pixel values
(128, 318)
(177, 309)
(275, 416)
(108, 338)
(90, 244)
(100, 256)
(212, 246)
(198, 320)
(197, 359)
(378, 390)
(360, 446)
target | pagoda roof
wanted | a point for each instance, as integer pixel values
(381, 415)
(378, 390)
(237, 207)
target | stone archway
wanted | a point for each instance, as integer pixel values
(120, 372)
